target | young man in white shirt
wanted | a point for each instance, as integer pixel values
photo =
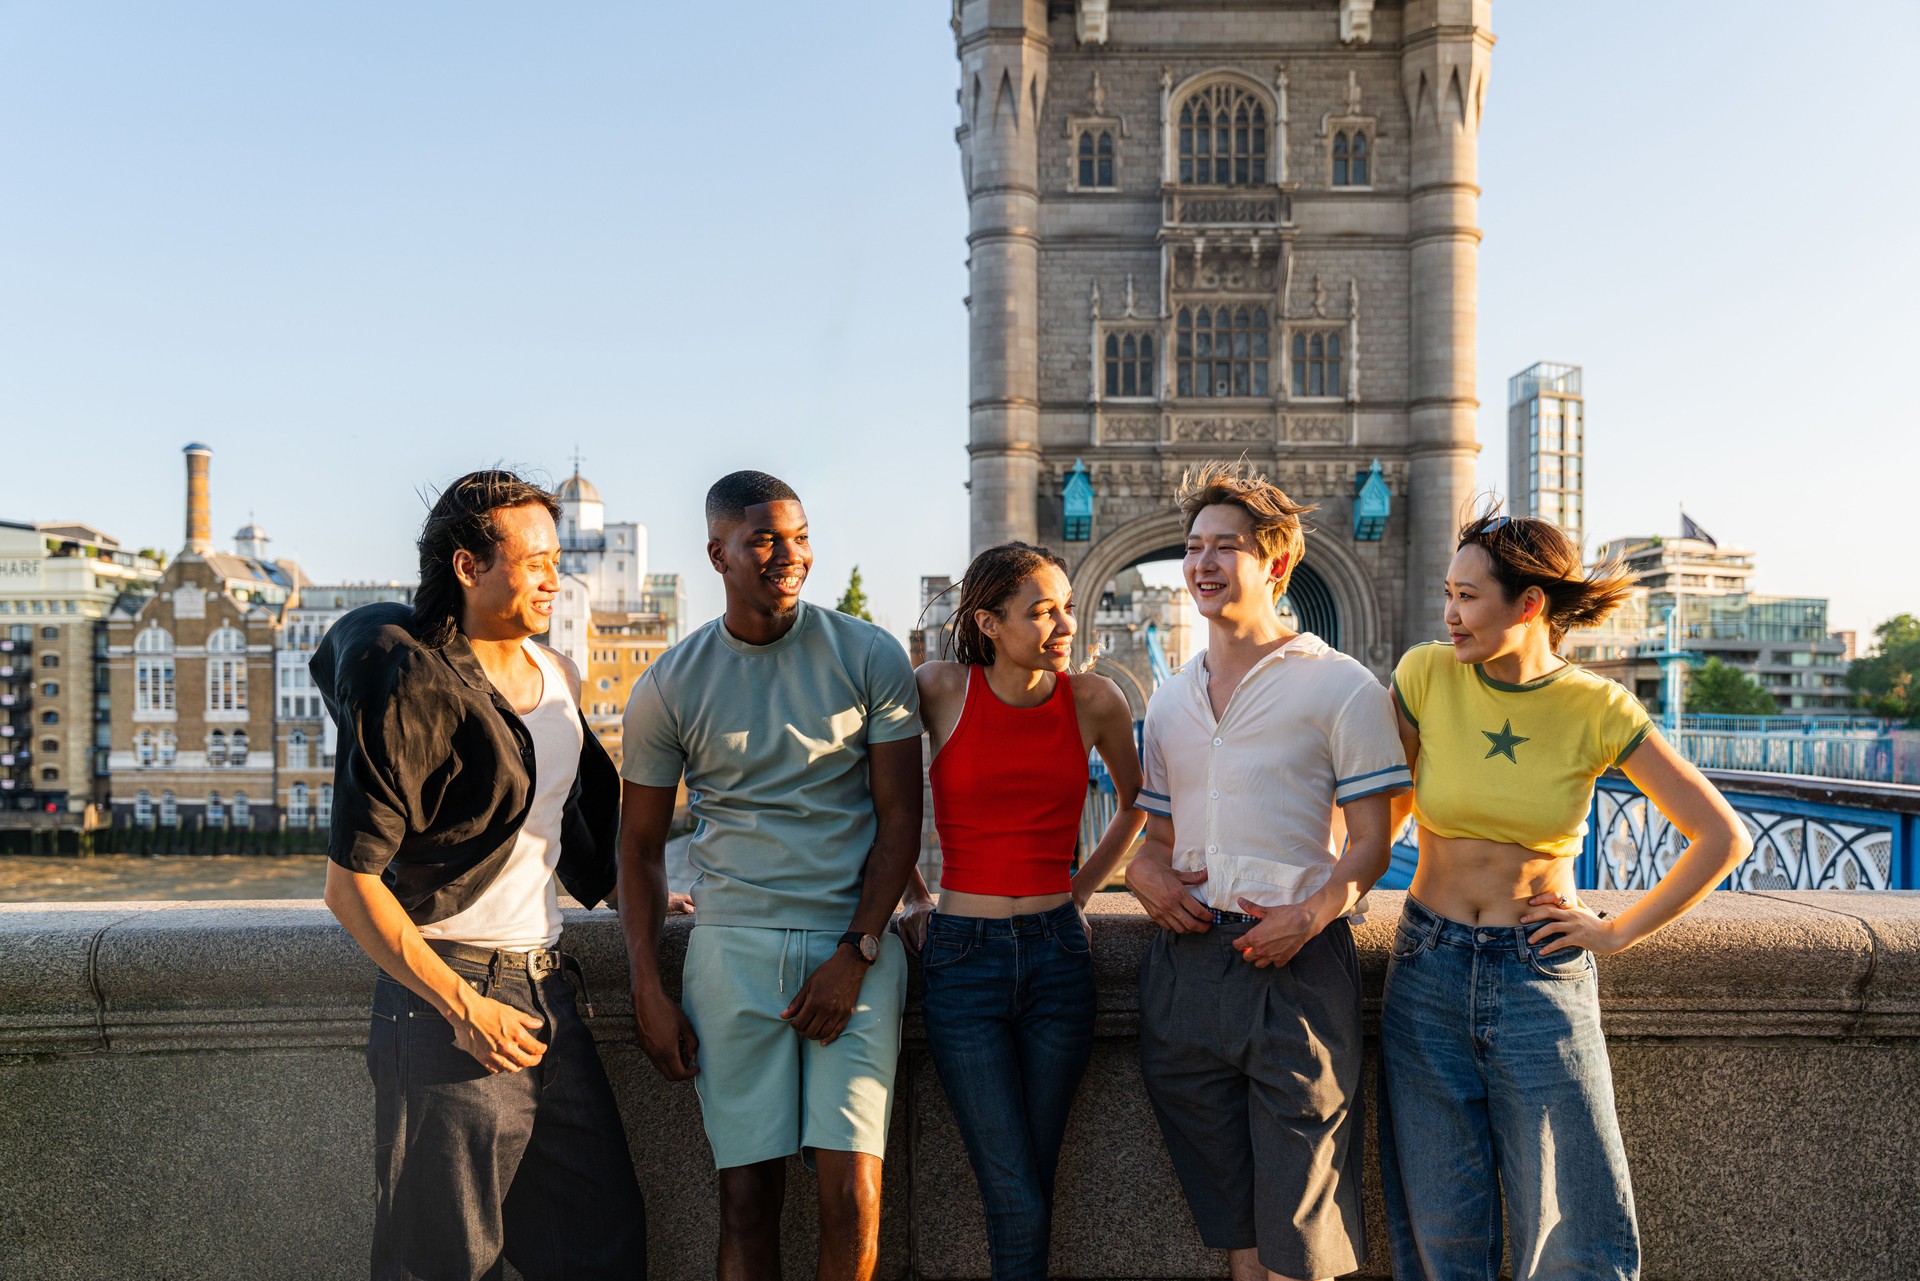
(1250, 996)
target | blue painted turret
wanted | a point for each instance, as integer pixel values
(1372, 504)
(1078, 504)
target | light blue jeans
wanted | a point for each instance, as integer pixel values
(1494, 1076)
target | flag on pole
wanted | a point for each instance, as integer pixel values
(1688, 529)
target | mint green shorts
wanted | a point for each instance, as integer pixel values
(766, 1091)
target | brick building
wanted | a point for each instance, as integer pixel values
(191, 673)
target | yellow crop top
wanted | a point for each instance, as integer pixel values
(1512, 763)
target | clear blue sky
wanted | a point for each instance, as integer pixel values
(359, 248)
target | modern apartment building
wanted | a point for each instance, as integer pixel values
(1546, 440)
(1782, 641)
(58, 582)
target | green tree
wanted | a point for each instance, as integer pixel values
(854, 600)
(1717, 689)
(1887, 681)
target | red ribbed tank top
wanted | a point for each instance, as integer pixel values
(1009, 787)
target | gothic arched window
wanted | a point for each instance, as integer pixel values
(237, 749)
(1129, 365)
(216, 812)
(1095, 159)
(1222, 351)
(143, 809)
(1223, 137)
(169, 810)
(297, 806)
(297, 749)
(242, 818)
(216, 749)
(1350, 160)
(1316, 364)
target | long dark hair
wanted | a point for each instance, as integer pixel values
(1528, 552)
(990, 581)
(462, 518)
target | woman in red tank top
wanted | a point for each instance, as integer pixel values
(1009, 989)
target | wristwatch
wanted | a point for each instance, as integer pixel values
(865, 946)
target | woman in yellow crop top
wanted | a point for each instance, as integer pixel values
(1493, 1073)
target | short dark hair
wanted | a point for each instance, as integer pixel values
(462, 518)
(734, 492)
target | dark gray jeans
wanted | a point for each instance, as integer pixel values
(1254, 1076)
(532, 1166)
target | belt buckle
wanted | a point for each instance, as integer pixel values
(541, 962)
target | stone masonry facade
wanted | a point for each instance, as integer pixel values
(1343, 213)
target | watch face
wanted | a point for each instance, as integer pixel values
(869, 948)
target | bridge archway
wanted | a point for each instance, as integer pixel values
(1331, 593)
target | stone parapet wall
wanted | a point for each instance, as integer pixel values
(182, 1094)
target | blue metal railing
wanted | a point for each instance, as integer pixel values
(1867, 840)
(1798, 844)
(1865, 758)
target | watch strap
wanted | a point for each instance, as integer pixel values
(857, 940)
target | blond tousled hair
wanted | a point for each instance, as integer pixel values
(1277, 529)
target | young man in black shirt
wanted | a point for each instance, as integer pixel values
(466, 781)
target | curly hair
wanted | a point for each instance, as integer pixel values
(989, 583)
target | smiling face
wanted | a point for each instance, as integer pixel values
(1033, 628)
(1229, 577)
(511, 596)
(763, 558)
(1481, 622)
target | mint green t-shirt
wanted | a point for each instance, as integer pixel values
(773, 742)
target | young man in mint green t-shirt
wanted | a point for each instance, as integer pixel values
(797, 731)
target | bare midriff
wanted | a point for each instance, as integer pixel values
(1480, 882)
(998, 907)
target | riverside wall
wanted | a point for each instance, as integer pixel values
(183, 1095)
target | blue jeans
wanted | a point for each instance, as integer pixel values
(1494, 1076)
(1009, 1009)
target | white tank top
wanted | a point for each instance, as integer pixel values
(520, 911)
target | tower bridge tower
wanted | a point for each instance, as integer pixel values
(1243, 231)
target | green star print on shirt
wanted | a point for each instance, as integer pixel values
(1504, 742)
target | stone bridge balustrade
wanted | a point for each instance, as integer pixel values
(182, 1094)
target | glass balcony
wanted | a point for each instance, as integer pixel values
(1543, 376)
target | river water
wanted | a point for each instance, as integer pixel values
(33, 878)
(118, 878)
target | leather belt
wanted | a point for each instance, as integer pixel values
(536, 963)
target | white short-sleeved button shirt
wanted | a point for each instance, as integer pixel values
(1251, 795)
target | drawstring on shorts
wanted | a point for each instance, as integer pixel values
(786, 939)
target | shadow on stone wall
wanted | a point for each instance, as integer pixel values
(182, 1094)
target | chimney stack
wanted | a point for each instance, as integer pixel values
(199, 504)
